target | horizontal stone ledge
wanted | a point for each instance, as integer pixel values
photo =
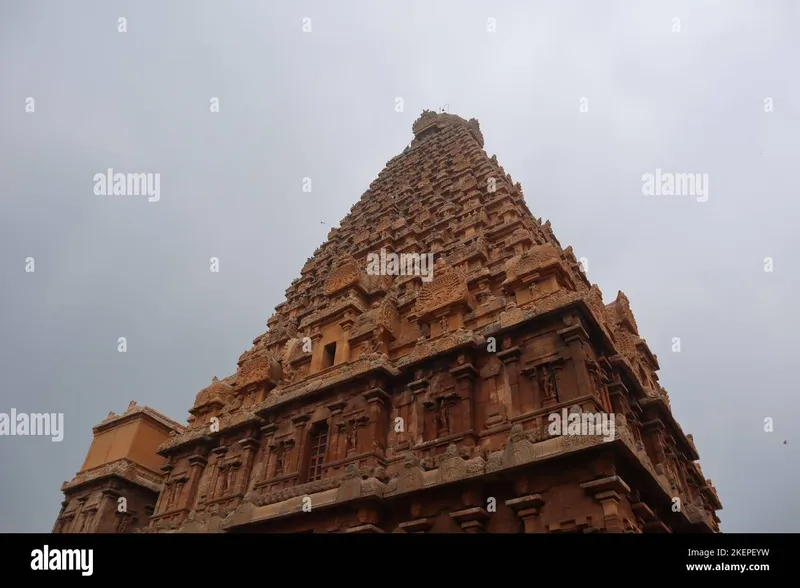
(352, 490)
(318, 384)
(364, 529)
(608, 484)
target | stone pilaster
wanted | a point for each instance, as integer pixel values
(418, 388)
(92, 520)
(650, 522)
(267, 435)
(422, 525)
(336, 409)
(301, 438)
(575, 336)
(109, 502)
(654, 429)
(249, 450)
(472, 520)
(529, 509)
(216, 479)
(162, 498)
(465, 375)
(343, 344)
(510, 358)
(379, 402)
(317, 352)
(609, 492)
(197, 463)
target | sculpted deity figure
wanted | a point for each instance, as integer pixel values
(225, 480)
(548, 382)
(279, 454)
(352, 436)
(442, 416)
(445, 325)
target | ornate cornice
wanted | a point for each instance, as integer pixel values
(122, 468)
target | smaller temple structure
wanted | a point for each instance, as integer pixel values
(117, 488)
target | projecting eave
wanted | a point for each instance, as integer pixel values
(194, 437)
(593, 327)
(122, 469)
(325, 380)
(353, 489)
(451, 344)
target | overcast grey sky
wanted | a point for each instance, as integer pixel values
(321, 104)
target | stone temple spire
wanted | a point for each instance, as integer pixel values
(425, 350)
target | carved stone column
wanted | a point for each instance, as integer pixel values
(529, 509)
(267, 435)
(333, 452)
(510, 358)
(379, 402)
(317, 351)
(249, 449)
(465, 375)
(574, 336)
(69, 523)
(91, 520)
(300, 437)
(400, 440)
(289, 445)
(197, 463)
(163, 499)
(107, 508)
(617, 392)
(597, 379)
(180, 483)
(223, 480)
(654, 430)
(219, 452)
(343, 346)
(418, 387)
(609, 492)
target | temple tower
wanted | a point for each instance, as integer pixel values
(442, 364)
(118, 485)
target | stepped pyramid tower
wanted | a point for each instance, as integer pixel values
(490, 391)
